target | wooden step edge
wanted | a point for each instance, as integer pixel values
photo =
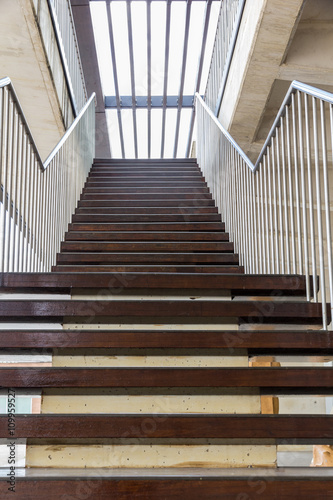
(294, 429)
(270, 380)
(178, 484)
(271, 285)
(246, 312)
(293, 341)
(166, 269)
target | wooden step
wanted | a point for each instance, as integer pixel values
(152, 258)
(176, 484)
(146, 210)
(145, 236)
(148, 226)
(179, 197)
(144, 189)
(149, 246)
(269, 379)
(178, 269)
(144, 183)
(152, 310)
(146, 218)
(194, 175)
(237, 284)
(292, 341)
(196, 202)
(292, 429)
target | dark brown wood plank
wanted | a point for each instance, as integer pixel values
(247, 311)
(290, 428)
(147, 210)
(271, 285)
(272, 377)
(196, 202)
(148, 226)
(222, 269)
(152, 258)
(142, 218)
(293, 341)
(144, 189)
(145, 236)
(149, 181)
(149, 246)
(160, 195)
(179, 488)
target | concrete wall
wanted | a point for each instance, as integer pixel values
(278, 42)
(23, 59)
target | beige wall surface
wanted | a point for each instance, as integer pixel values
(23, 60)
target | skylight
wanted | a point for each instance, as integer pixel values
(153, 55)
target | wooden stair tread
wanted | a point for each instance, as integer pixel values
(149, 258)
(147, 226)
(293, 285)
(293, 341)
(142, 486)
(195, 202)
(141, 218)
(245, 311)
(168, 268)
(146, 246)
(159, 195)
(146, 236)
(144, 189)
(289, 428)
(147, 210)
(271, 378)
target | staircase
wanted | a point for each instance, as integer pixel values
(151, 394)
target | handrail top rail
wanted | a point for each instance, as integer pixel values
(6, 82)
(225, 133)
(294, 87)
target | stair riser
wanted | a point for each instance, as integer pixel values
(144, 236)
(147, 247)
(138, 258)
(145, 218)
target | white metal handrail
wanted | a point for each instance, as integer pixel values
(278, 211)
(230, 17)
(37, 199)
(63, 23)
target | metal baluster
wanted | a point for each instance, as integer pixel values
(319, 217)
(10, 151)
(270, 153)
(276, 267)
(297, 195)
(284, 182)
(305, 222)
(278, 154)
(310, 197)
(291, 197)
(327, 200)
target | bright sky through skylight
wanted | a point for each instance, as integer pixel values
(139, 32)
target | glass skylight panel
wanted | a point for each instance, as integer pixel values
(158, 28)
(139, 27)
(113, 129)
(127, 118)
(137, 74)
(178, 11)
(183, 132)
(142, 129)
(120, 34)
(171, 117)
(101, 33)
(156, 127)
(215, 9)
(194, 46)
